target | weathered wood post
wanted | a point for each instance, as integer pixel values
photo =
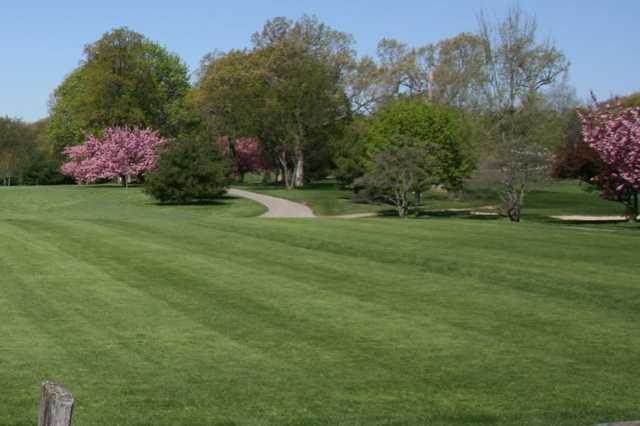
(56, 405)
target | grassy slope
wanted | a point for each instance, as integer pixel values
(193, 316)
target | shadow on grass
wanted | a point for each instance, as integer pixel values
(222, 201)
(462, 214)
(110, 186)
(322, 186)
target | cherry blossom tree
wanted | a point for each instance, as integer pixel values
(246, 155)
(121, 153)
(613, 131)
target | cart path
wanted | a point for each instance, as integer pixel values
(278, 207)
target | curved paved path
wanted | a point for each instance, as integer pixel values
(278, 207)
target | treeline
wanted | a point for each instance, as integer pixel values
(26, 157)
(494, 104)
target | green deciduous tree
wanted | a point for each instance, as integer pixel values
(402, 169)
(416, 121)
(124, 80)
(287, 91)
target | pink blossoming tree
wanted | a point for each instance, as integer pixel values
(613, 131)
(246, 155)
(120, 153)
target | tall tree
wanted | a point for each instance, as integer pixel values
(406, 71)
(517, 64)
(307, 63)
(459, 75)
(287, 92)
(124, 80)
(518, 68)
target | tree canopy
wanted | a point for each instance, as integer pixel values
(419, 122)
(124, 79)
(287, 91)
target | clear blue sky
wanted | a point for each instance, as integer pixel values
(42, 41)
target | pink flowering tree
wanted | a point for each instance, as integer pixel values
(246, 155)
(613, 131)
(121, 153)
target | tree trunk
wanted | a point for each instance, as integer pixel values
(514, 212)
(403, 206)
(288, 178)
(418, 198)
(286, 175)
(267, 177)
(298, 180)
(635, 209)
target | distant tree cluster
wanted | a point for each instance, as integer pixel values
(25, 156)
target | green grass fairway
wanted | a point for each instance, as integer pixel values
(324, 198)
(204, 315)
(545, 199)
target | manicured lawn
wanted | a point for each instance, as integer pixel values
(203, 315)
(545, 199)
(324, 198)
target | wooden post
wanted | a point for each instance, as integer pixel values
(56, 405)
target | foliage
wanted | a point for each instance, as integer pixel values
(189, 170)
(518, 163)
(350, 151)
(577, 161)
(414, 121)
(287, 92)
(121, 153)
(450, 72)
(519, 68)
(459, 74)
(399, 171)
(41, 169)
(15, 144)
(246, 155)
(632, 100)
(124, 80)
(516, 63)
(25, 158)
(19, 149)
(613, 132)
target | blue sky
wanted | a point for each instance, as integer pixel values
(42, 41)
